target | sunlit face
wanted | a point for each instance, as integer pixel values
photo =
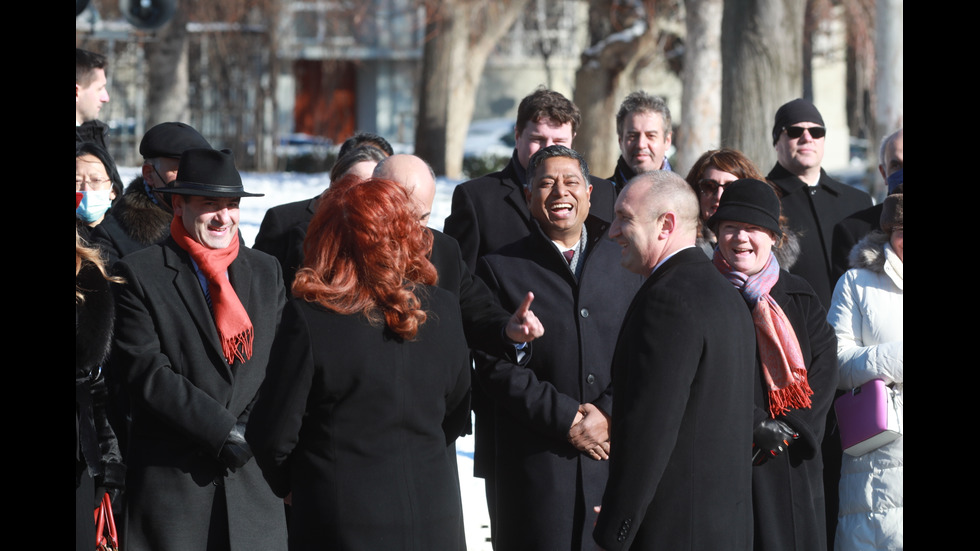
(746, 247)
(710, 189)
(540, 134)
(637, 232)
(211, 221)
(91, 175)
(559, 199)
(89, 99)
(800, 154)
(644, 141)
(897, 241)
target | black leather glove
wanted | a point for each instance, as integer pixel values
(770, 438)
(235, 452)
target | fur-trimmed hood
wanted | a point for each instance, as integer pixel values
(142, 219)
(869, 253)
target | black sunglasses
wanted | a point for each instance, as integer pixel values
(816, 132)
(710, 187)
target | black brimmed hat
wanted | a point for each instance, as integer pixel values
(208, 173)
(750, 202)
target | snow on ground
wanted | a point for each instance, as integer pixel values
(286, 187)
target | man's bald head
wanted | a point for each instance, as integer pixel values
(416, 176)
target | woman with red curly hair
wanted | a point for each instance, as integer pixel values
(369, 383)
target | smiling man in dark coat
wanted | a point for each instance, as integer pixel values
(491, 211)
(679, 466)
(552, 417)
(195, 323)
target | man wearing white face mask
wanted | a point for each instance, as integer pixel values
(93, 167)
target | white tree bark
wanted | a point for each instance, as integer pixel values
(701, 101)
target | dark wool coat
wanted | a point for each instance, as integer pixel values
(622, 175)
(98, 461)
(185, 400)
(680, 474)
(546, 489)
(359, 425)
(491, 211)
(812, 214)
(787, 490)
(134, 223)
(282, 233)
(849, 232)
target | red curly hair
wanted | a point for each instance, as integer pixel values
(365, 252)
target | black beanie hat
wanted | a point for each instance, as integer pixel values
(750, 202)
(798, 110)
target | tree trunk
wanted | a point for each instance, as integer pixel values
(460, 36)
(701, 101)
(890, 52)
(615, 49)
(167, 74)
(762, 59)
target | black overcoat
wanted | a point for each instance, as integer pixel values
(546, 489)
(359, 425)
(813, 212)
(185, 400)
(491, 211)
(680, 463)
(787, 490)
(281, 234)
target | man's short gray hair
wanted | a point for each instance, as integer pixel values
(884, 146)
(555, 151)
(642, 102)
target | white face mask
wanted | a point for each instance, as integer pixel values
(94, 204)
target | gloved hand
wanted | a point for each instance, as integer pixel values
(770, 438)
(235, 452)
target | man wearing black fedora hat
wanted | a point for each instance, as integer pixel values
(195, 323)
(142, 216)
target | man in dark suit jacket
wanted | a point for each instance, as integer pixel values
(491, 211)
(813, 201)
(679, 467)
(196, 320)
(552, 416)
(853, 228)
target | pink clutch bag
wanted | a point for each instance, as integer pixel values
(867, 418)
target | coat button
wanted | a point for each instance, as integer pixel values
(584, 312)
(590, 379)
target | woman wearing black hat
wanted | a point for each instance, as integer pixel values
(867, 313)
(797, 369)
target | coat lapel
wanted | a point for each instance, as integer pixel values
(192, 295)
(514, 193)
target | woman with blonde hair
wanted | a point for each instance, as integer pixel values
(369, 384)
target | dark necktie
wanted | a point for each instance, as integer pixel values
(569, 255)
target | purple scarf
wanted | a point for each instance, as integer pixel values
(779, 350)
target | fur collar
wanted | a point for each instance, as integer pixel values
(140, 217)
(869, 253)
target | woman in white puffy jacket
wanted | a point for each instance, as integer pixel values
(867, 315)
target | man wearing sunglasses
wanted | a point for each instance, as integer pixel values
(813, 201)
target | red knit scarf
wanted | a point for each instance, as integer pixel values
(230, 318)
(783, 367)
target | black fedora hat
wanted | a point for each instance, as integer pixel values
(171, 139)
(208, 173)
(751, 202)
